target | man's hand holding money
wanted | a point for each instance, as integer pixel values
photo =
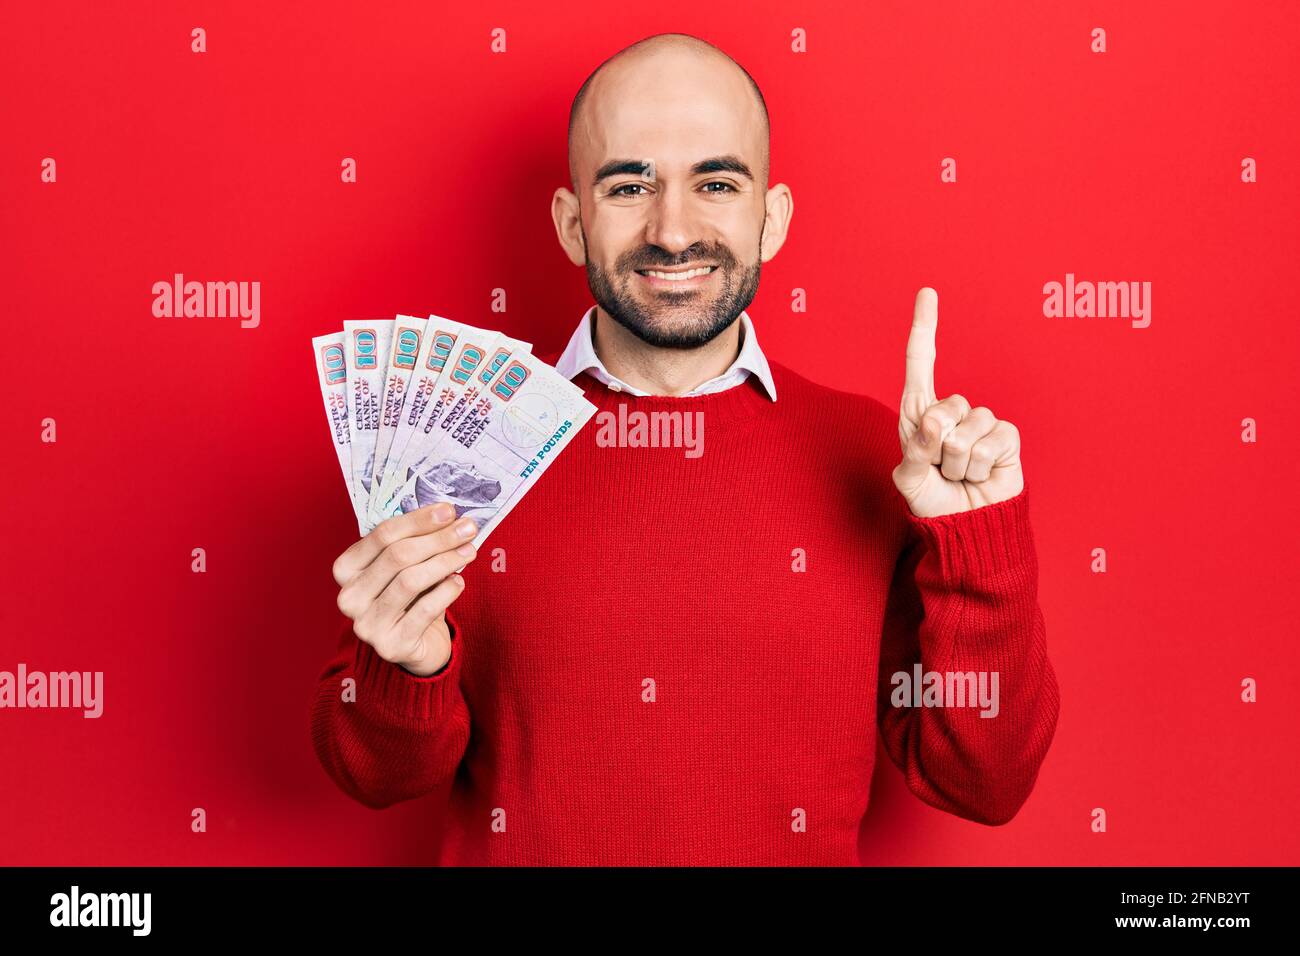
(397, 582)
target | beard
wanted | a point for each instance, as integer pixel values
(673, 320)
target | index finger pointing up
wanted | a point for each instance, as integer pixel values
(919, 376)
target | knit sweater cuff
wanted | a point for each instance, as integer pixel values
(404, 694)
(976, 545)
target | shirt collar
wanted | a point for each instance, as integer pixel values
(580, 356)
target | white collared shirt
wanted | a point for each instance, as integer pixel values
(580, 356)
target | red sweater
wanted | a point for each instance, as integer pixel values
(646, 678)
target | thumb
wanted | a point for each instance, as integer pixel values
(917, 464)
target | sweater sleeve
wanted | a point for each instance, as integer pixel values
(964, 598)
(391, 735)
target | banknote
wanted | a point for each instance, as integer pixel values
(544, 454)
(399, 364)
(332, 373)
(476, 353)
(368, 344)
(497, 441)
(440, 337)
(429, 410)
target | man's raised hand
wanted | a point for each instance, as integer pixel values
(397, 582)
(955, 458)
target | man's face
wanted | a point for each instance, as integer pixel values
(669, 150)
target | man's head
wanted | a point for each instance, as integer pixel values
(669, 161)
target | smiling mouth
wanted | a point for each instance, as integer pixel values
(680, 275)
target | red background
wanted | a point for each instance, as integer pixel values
(176, 434)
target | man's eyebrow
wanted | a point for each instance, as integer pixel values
(636, 167)
(723, 164)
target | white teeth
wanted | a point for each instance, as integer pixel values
(680, 276)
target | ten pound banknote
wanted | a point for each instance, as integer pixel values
(428, 410)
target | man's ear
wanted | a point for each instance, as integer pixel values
(776, 226)
(566, 211)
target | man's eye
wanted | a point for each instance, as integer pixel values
(726, 188)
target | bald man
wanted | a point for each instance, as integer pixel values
(680, 651)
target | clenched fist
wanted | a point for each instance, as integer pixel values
(397, 582)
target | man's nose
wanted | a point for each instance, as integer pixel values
(671, 224)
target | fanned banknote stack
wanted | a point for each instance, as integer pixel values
(428, 410)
